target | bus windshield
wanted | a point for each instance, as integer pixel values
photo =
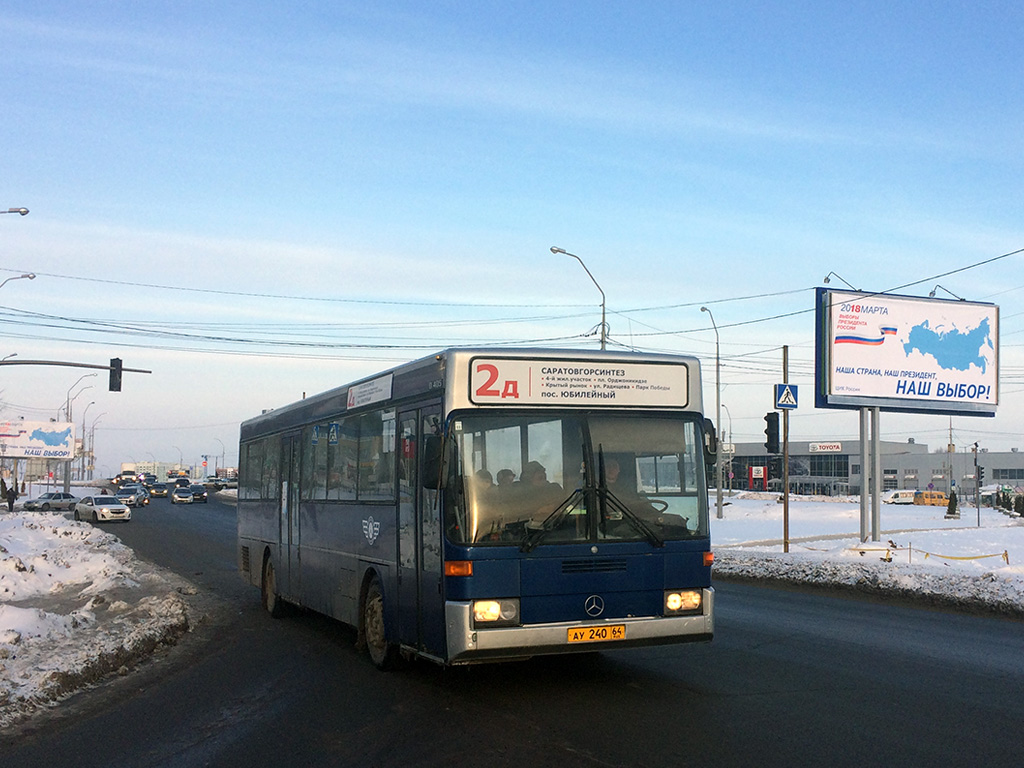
(533, 479)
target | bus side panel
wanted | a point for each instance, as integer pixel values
(339, 542)
(258, 529)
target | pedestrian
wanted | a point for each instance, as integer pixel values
(12, 496)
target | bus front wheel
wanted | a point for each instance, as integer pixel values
(382, 651)
(268, 588)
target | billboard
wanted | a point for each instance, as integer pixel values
(37, 439)
(905, 353)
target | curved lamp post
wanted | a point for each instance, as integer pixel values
(92, 441)
(26, 276)
(22, 211)
(718, 417)
(222, 451)
(604, 326)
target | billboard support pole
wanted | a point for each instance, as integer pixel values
(876, 480)
(864, 474)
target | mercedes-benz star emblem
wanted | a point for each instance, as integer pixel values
(594, 605)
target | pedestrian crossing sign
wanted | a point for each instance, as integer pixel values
(785, 396)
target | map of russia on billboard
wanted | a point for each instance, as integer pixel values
(905, 353)
(37, 439)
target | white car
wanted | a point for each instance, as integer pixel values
(102, 508)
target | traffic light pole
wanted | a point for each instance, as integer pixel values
(65, 364)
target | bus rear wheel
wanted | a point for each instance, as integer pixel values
(382, 651)
(272, 601)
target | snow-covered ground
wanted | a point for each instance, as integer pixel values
(76, 605)
(920, 554)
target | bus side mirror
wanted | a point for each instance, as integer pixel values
(436, 463)
(710, 442)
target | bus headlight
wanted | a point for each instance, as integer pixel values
(495, 613)
(683, 601)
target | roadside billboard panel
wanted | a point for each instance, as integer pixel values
(905, 353)
(37, 439)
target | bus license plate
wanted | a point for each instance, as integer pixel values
(597, 634)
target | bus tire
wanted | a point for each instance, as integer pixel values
(382, 651)
(271, 598)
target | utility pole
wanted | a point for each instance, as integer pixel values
(785, 455)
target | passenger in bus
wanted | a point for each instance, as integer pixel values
(505, 478)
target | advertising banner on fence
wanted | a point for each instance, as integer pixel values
(905, 353)
(37, 440)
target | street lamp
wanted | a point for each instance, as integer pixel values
(68, 399)
(830, 274)
(222, 450)
(81, 469)
(22, 211)
(26, 276)
(718, 417)
(180, 460)
(604, 326)
(931, 293)
(92, 442)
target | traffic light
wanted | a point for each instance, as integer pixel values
(980, 473)
(772, 431)
(115, 374)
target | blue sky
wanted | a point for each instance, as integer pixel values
(392, 176)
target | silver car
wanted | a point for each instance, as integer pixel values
(102, 508)
(54, 500)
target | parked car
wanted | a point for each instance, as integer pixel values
(102, 508)
(198, 493)
(158, 489)
(53, 500)
(217, 483)
(181, 495)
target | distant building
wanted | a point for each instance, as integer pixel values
(834, 468)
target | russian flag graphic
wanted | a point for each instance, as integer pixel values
(871, 341)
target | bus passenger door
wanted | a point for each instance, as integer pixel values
(289, 570)
(421, 603)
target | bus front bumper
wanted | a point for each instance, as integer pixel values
(467, 645)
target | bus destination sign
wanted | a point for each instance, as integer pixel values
(578, 382)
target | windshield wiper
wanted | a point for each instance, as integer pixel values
(643, 528)
(552, 521)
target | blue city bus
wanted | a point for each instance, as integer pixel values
(489, 504)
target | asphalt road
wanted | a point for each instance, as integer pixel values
(792, 678)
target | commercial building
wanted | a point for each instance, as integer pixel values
(834, 467)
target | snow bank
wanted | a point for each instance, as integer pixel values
(75, 606)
